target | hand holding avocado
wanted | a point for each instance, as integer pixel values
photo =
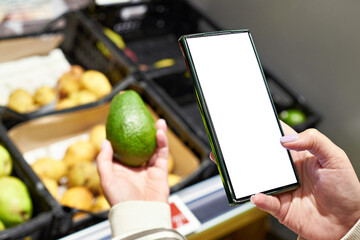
(122, 183)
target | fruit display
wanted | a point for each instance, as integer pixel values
(23, 101)
(73, 180)
(16, 205)
(74, 87)
(78, 86)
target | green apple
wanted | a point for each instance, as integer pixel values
(15, 202)
(5, 162)
(2, 226)
(292, 117)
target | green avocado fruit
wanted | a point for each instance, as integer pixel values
(131, 129)
(292, 117)
(15, 202)
(5, 162)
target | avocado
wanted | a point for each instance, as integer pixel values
(131, 129)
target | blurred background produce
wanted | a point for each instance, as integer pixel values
(292, 117)
(73, 180)
(75, 87)
(16, 204)
(2, 226)
(15, 201)
(5, 162)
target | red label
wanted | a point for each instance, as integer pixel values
(177, 217)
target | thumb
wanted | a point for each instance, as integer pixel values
(104, 159)
(267, 203)
(327, 153)
(161, 155)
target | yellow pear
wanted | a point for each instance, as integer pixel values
(51, 185)
(173, 179)
(78, 197)
(171, 163)
(50, 168)
(101, 204)
(80, 151)
(21, 101)
(44, 95)
(96, 82)
(65, 103)
(84, 174)
(98, 135)
(83, 97)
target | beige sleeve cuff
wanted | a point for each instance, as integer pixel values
(354, 233)
(135, 216)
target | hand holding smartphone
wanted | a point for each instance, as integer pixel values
(239, 115)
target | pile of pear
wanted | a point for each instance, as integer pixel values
(78, 86)
(75, 87)
(16, 205)
(74, 180)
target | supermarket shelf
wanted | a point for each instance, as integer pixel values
(218, 220)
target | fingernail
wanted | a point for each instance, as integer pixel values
(252, 199)
(289, 138)
(103, 144)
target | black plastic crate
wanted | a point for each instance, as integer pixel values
(286, 98)
(40, 226)
(79, 45)
(150, 29)
(177, 90)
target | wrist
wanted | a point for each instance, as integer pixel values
(114, 199)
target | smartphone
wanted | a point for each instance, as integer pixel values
(239, 114)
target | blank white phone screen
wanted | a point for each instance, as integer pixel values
(241, 112)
